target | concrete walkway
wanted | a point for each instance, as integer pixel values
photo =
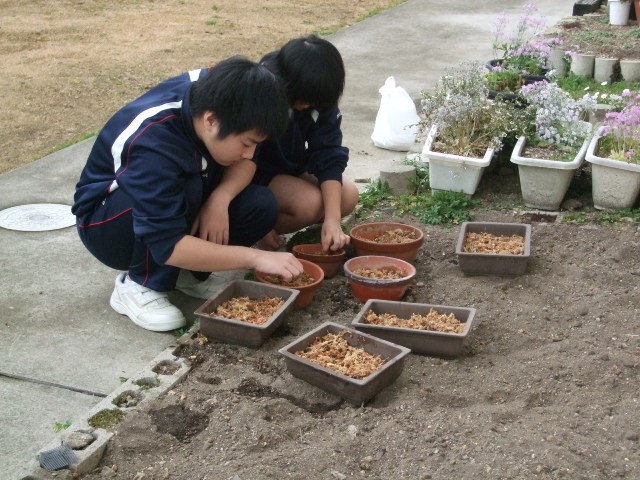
(62, 347)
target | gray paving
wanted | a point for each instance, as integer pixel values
(57, 327)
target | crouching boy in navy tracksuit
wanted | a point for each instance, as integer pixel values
(304, 167)
(164, 193)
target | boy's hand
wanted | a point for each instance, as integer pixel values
(279, 263)
(333, 238)
(212, 223)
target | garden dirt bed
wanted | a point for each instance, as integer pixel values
(547, 386)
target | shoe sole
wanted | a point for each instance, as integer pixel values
(122, 309)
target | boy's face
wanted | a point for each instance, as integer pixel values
(234, 148)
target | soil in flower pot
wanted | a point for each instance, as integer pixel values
(307, 283)
(388, 239)
(330, 261)
(343, 361)
(437, 330)
(373, 276)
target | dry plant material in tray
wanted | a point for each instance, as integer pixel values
(380, 273)
(397, 235)
(249, 310)
(303, 280)
(333, 351)
(496, 244)
(434, 321)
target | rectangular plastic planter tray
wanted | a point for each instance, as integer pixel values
(493, 263)
(237, 331)
(354, 390)
(428, 342)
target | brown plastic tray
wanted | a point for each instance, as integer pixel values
(492, 263)
(239, 332)
(433, 343)
(354, 390)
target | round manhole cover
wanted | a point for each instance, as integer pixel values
(37, 217)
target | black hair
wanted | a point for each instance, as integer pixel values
(244, 96)
(312, 71)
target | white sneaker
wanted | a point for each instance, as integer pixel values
(145, 307)
(204, 289)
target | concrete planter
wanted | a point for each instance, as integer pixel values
(428, 342)
(236, 331)
(354, 390)
(603, 69)
(492, 263)
(583, 64)
(630, 70)
(615, 184)
(544, 183)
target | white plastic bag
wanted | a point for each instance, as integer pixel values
(396, 124)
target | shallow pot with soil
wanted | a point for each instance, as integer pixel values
(375, 276)
(215, 325)
(307, 284)
(494, 248)
(330, 261)
(389, 239)
(360, 381)
(437, 330)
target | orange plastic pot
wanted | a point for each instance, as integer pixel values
(365, 288)
(330, 261)
(307, 291)
(363, 239)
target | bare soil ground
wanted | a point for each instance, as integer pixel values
(593, 34)
(547, 387)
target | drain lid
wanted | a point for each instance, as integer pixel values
(37, 217)
(57, 458)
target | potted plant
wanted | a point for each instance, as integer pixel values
(553, 143)
(614, 155)
(464, 128)
(521, 54)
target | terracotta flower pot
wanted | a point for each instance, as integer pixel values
(329, 261)
(363, 239)
(306, 291)
(365, 288)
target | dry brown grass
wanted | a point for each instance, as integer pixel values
(68, 65)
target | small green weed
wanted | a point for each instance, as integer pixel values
(420, 182)
(441, 207)
(68, 143)
(59, 426)
(608, 217)
(123, 379)
(106, 418)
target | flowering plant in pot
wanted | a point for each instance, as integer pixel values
(521, 54)
(614, 154)
(552, 145)
(464, 128)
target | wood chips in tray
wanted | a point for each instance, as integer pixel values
(249, 310)
(433, 321)
(496, 244)
(333, 351)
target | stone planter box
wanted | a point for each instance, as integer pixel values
(492, 263)
(236, 331)
(428, 342)
(354, 390)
